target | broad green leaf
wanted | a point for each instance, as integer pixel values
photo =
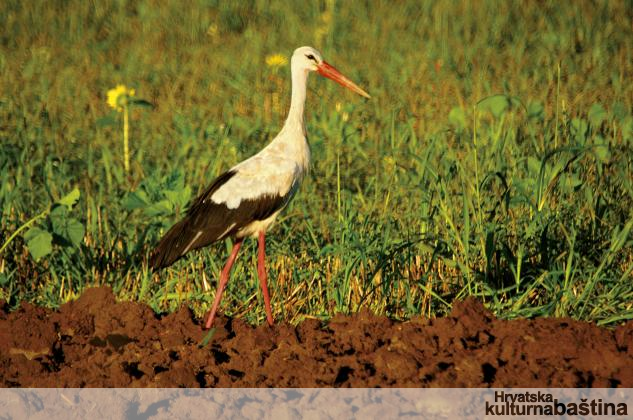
(141, 102)
(570, 181)
(619, 237)
(535, 110)
(596, 115)
(75, 231)
(136, 200)
(67, 227)
(39, 242)
(620, 111)
(161, 208)
(58, 217)
(602, 152)
(579, 128)
(179, 198)
(497, 104)
(457, 118)
(70, 199)
(534, 165)
(4, 278)
(172, 196)
(174, 181)
(106, 121)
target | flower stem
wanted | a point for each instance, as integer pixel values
(126, 138)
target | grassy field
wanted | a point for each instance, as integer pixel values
(494, 160)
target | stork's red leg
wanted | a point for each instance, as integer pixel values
(224, 278)
(263, 277)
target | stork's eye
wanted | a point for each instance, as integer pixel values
(311, 57)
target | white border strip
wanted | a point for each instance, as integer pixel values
(297, 403)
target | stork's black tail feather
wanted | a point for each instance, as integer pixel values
(207, 221)
(170, 248)
(197, 229)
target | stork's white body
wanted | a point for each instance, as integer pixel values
(278, 169)
(246, 200)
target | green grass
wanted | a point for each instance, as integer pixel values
(494, 159)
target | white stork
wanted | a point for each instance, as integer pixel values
(245, 200)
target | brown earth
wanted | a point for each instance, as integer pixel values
(97, 342)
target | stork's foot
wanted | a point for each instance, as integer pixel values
(210, 317)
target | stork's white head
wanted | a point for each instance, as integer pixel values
(306, 59)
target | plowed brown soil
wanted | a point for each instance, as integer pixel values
(97, 342)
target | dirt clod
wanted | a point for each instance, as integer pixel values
(97, 342)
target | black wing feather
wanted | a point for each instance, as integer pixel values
(212, 219)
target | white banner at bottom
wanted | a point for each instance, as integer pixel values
(309, 403)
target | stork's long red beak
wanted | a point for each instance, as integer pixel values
(330, 72)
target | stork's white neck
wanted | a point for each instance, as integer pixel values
(291, 142)
(297, 103)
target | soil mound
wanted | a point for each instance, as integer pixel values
(97, 342)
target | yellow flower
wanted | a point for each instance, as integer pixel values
(326, 17)
(276, 60)
(212, 31)
(344, 115)
(389, 163)
(118, 97)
